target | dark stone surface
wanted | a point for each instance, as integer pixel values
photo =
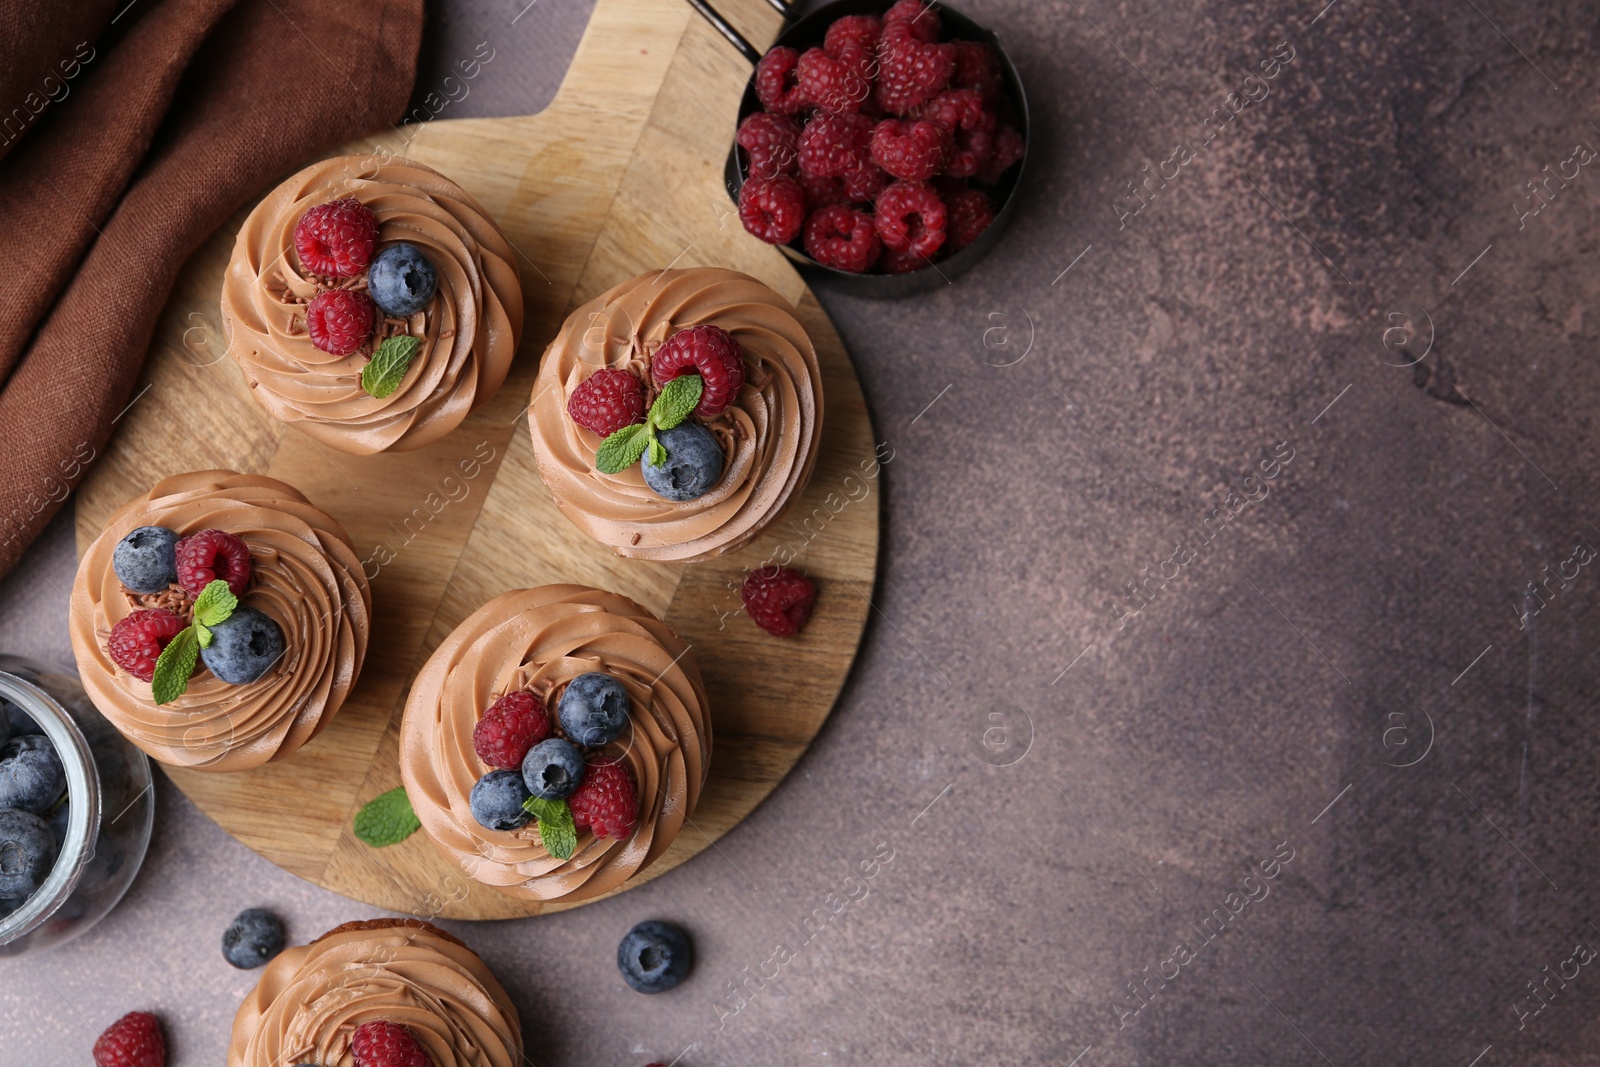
(1263, 697)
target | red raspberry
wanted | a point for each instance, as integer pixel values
(900, 261)
(852, 31)
(132, 1041)
(912, 150)
(911, 215)
(839, 84)
(137, 639)
(209, 555)
(971, 126)
(910, 71)
(773, 143)
(386, 1044)
(1008, 150)
(842, 238)
(969, 214)
(714, 354)
(978, 67)
(606, 401)
(824, 192)
(834, 145)
(336, 239)
(340, 320)
(773, 209)
(779, 599)
(512, 725)
(607, 801)
(915, 16)
(777, 85)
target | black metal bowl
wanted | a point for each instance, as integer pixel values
(808, 33)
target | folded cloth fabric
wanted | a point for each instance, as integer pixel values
(128, 132)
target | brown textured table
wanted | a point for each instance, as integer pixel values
(1071, 789)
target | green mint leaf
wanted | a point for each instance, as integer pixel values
(387, 819)
(214, 604)
(387, 367)
(201, 631)
(658, 453)
(675, 401)
(174, 666)
(556, 831)
(622, 449)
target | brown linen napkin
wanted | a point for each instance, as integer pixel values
(138, 139)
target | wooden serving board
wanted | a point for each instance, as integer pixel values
(621, 174)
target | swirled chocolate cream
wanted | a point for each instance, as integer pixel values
(372, 303)
(556, 741)
(678, 414)
(220, 620)
(400, 984)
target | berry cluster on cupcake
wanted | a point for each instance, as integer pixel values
(874, 151)
(692, 379)
(186, 593)
(556, 771)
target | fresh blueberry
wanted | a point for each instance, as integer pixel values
(59, 820)
(18, 722)
(27, 851)
(254, 938)
(146, 560)
(31, 776)
(654, 957)
(401, 280)
(694, 463)
(243, 646)
(552, 769)
(593, 709)
(497, 800)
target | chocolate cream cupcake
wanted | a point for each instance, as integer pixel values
(556, 741)
(372, 303)
(626, 456)
(402, 979)
(220, 620)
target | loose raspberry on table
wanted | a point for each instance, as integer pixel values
(778, 599)
(1009, 148)
(824, 192)
(968, 214)
(911, 215)
(137, 639)
(512, 725)
(709, 351)
(977, 66)
(910, 71)
(839, 84)
(852, 31)
(900, 261)
(910, 149)
(336, 239)
(209, 555)
(606, 401)
(607, 801)
(773, 209)
(777, 84)
(920, 19)
(842, 238)
(773, 143)
(386, 1044)
(340, 320)
(132, 1041)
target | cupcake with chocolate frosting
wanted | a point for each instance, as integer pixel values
(372, 303)
(678, 414)
(555, 742)
(220, 620)
(315, 1003)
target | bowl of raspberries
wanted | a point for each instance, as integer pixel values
(880, 145)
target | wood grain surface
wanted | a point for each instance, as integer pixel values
(621, 174)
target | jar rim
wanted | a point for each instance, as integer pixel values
(83, 790)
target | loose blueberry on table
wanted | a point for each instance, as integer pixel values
(252, 939)
(655, 956)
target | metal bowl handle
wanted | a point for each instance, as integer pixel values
(735, 38)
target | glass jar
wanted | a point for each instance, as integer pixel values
(109, 809)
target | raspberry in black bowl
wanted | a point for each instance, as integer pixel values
(880, 140)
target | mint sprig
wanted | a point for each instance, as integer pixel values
(673, 404)
(556, 830)
(176, 662)
(387, 819)
(387, 368)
